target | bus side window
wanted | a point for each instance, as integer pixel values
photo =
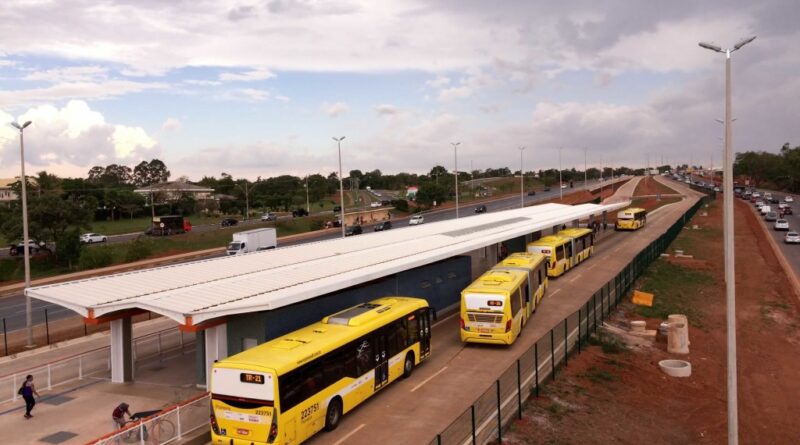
(539, 283)
(515, 297)
(413, 328)
(363, 356)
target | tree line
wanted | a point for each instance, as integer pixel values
(777, 171)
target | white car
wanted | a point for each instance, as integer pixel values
(782, 205)
(755, 195)
(416, 220)
(375, 204)
(781, 224)
(90, 238)
(563, 186)
(792, 238)
(788, 198)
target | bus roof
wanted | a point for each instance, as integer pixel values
(285, 353)
(527, 260)
(550, 241)
(633, 210)
(575, 232)
(496, 281)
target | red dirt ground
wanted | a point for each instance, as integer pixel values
(649, 186)
(624, 398)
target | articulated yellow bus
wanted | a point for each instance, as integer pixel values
(493, 308)
(564, 250)
(631, 219)
(536, 267)
(286, 390)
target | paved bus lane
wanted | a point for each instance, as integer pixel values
(456, 375)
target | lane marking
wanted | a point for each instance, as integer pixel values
(555, 292)
(428, 379)
(347, 436)
(592, 266)
(576, 277)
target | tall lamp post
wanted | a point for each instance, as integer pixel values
(560, 182)
(25, 242)
(727, 229)
(455, 157)
(341, 184)
(585, 171)
(308, 207)
(521, 179)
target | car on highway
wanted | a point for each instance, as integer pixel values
(353, 230)
(563, 186)
(781, 224)
(33, 247)
(480, 209)
(269, 217)
(381, 226)
(337, 208)
(771, 216)
(547, 188)
(759, 204)
(374, 204)
(416, 220)
(792, 238)
(229, 222)
(788, 198)
(787, 210)
(764, 209)
(773, 200)
(298, 212)
(532, 193)
(89, 238)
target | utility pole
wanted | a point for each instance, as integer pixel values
(25, 240)
(585, 169)
(560, 182)
(341, 184)
(727, 229)
(521, 180)
(455, 157)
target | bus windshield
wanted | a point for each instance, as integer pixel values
(484, 302)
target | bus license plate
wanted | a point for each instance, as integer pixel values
(484, 330)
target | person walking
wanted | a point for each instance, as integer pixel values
(27, 391)
(118, 415)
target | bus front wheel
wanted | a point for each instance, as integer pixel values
(408, 366)
(334, 414)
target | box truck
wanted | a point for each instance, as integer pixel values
(253, 240)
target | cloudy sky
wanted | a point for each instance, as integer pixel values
(258, 88)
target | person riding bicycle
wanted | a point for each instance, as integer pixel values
(118, 415)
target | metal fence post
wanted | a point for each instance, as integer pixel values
(438, 439)
(141, 432)
(80, 367)
(5, 336)
(159, 346)
(49, 380)
(85, 329)
(535, 364)
(519, 392)
(553, 354)
(46, 326)
(499, 414)
(14, 389)
(594, 311)
(579, 330)
(566, 343)
(474, 438)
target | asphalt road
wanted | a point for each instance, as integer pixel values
(12, 307)
(790, 251)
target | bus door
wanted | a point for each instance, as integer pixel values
(381, 360)
(425, 332)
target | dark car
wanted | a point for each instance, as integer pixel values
(229, 222)
(480, 209)
(774, 200)
(296, 213)
(337, 208)
(353, 230)
(787, 211)
(532, 193)
(547, 188)
(386, 225)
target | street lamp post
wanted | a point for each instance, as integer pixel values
(585, 171)
(341, 184)
(560, 182)
(727, 229)
(308, 207)
(521, 179)
(25, 242)
(455, 157)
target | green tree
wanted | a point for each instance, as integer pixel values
(68, 247)
(149, 173)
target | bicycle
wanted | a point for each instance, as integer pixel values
(156, 432)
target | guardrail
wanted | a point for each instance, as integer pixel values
(79, 366)
(168, 425)
(483, 421)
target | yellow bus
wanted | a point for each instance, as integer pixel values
(564, 250)
(287, 389)
(493, 307)
(631, 219)
(536, 267)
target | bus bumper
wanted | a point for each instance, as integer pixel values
(223, 440)
(477, 337)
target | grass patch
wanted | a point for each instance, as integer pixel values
(599, 376)
(676, 289)
(608, 343)
(557, 410)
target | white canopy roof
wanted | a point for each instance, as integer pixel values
(193, 292)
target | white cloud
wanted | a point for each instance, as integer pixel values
(248, 76)
(74, 90)
(335, 109)
(69, 140)
(282, 98)
(438, 82)
(387, 110)
(202, 82)
(171, 124)
(69, 74)
(455, 93)
(245, 95)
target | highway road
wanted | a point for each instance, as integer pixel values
(12, 307)
(790, 251)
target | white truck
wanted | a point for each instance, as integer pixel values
(253, 240)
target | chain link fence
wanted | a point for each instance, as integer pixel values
(483, 421)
